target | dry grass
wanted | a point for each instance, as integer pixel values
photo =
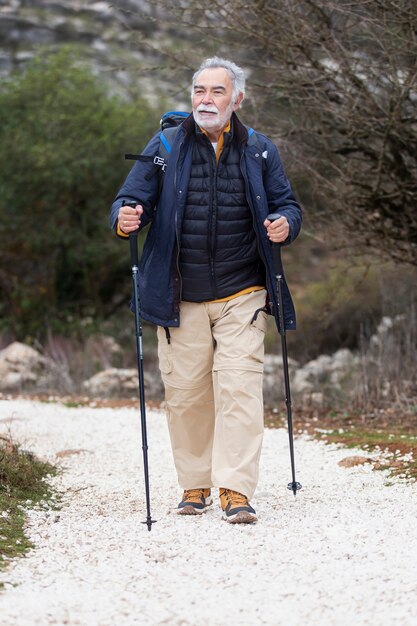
(388, 366)
(390, 434)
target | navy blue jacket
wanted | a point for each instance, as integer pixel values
(267, 191)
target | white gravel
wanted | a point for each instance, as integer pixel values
(344, 552)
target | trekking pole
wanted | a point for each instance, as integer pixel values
(133, 241)
(293, 486)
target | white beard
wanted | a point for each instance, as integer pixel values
(214, 122)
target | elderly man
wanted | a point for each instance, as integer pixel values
(207, 281)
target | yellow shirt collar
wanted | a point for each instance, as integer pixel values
(220, 143)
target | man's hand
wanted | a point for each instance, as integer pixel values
(129, 218)
(278, 230)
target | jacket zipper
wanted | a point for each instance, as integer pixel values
(212, 231)
(177, 236)
(261, 254)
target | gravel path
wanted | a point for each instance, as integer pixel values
(343, 552)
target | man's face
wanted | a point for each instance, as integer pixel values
(212, 100)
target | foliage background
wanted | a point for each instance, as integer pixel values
(63, 140)
(334, 84)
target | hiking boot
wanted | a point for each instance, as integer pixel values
(194, 501)
(236, 507)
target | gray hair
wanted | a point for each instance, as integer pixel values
(236, 73)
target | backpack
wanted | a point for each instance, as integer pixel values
(169, 124)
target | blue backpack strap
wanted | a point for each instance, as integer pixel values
(253, 140)
(252, 137)
(170, 123)
(166, 140)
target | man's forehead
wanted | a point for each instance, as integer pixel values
(213, 77)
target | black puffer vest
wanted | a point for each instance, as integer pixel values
(219, 253)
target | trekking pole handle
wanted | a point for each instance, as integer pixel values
(276, 247)
(273, 216)
(133, 238)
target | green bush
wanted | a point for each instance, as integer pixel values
(63, 139)
(22, 483)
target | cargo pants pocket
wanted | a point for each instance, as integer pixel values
(257, 330)
(164, 351)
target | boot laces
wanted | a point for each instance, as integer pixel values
(193, 494)
(237, 498)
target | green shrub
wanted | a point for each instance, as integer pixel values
(22, 484)
(63, 139)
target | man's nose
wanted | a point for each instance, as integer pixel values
(207, 99)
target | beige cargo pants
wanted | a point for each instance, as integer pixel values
(212, 371)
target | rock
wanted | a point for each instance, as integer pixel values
(344, 362)
(273, 362)
(64, 453)
(352, 461)
(327, 374)
(20, 356)
(319, 367)
(317, 399)
(302, 382)
(104, 30)
(311, 376)
(22, 368)
(122, 382)
(111, 345)
(273, 383)
(343, 359)
(112, 382)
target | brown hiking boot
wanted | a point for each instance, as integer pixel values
(236, 507)
(195, 501)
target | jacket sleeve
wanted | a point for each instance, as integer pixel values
(280, 196)
(141, 186)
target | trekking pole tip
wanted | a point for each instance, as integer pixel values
(149, 523)
(294, 487)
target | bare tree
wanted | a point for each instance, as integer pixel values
(335, 81)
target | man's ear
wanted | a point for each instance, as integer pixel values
(238, 101)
